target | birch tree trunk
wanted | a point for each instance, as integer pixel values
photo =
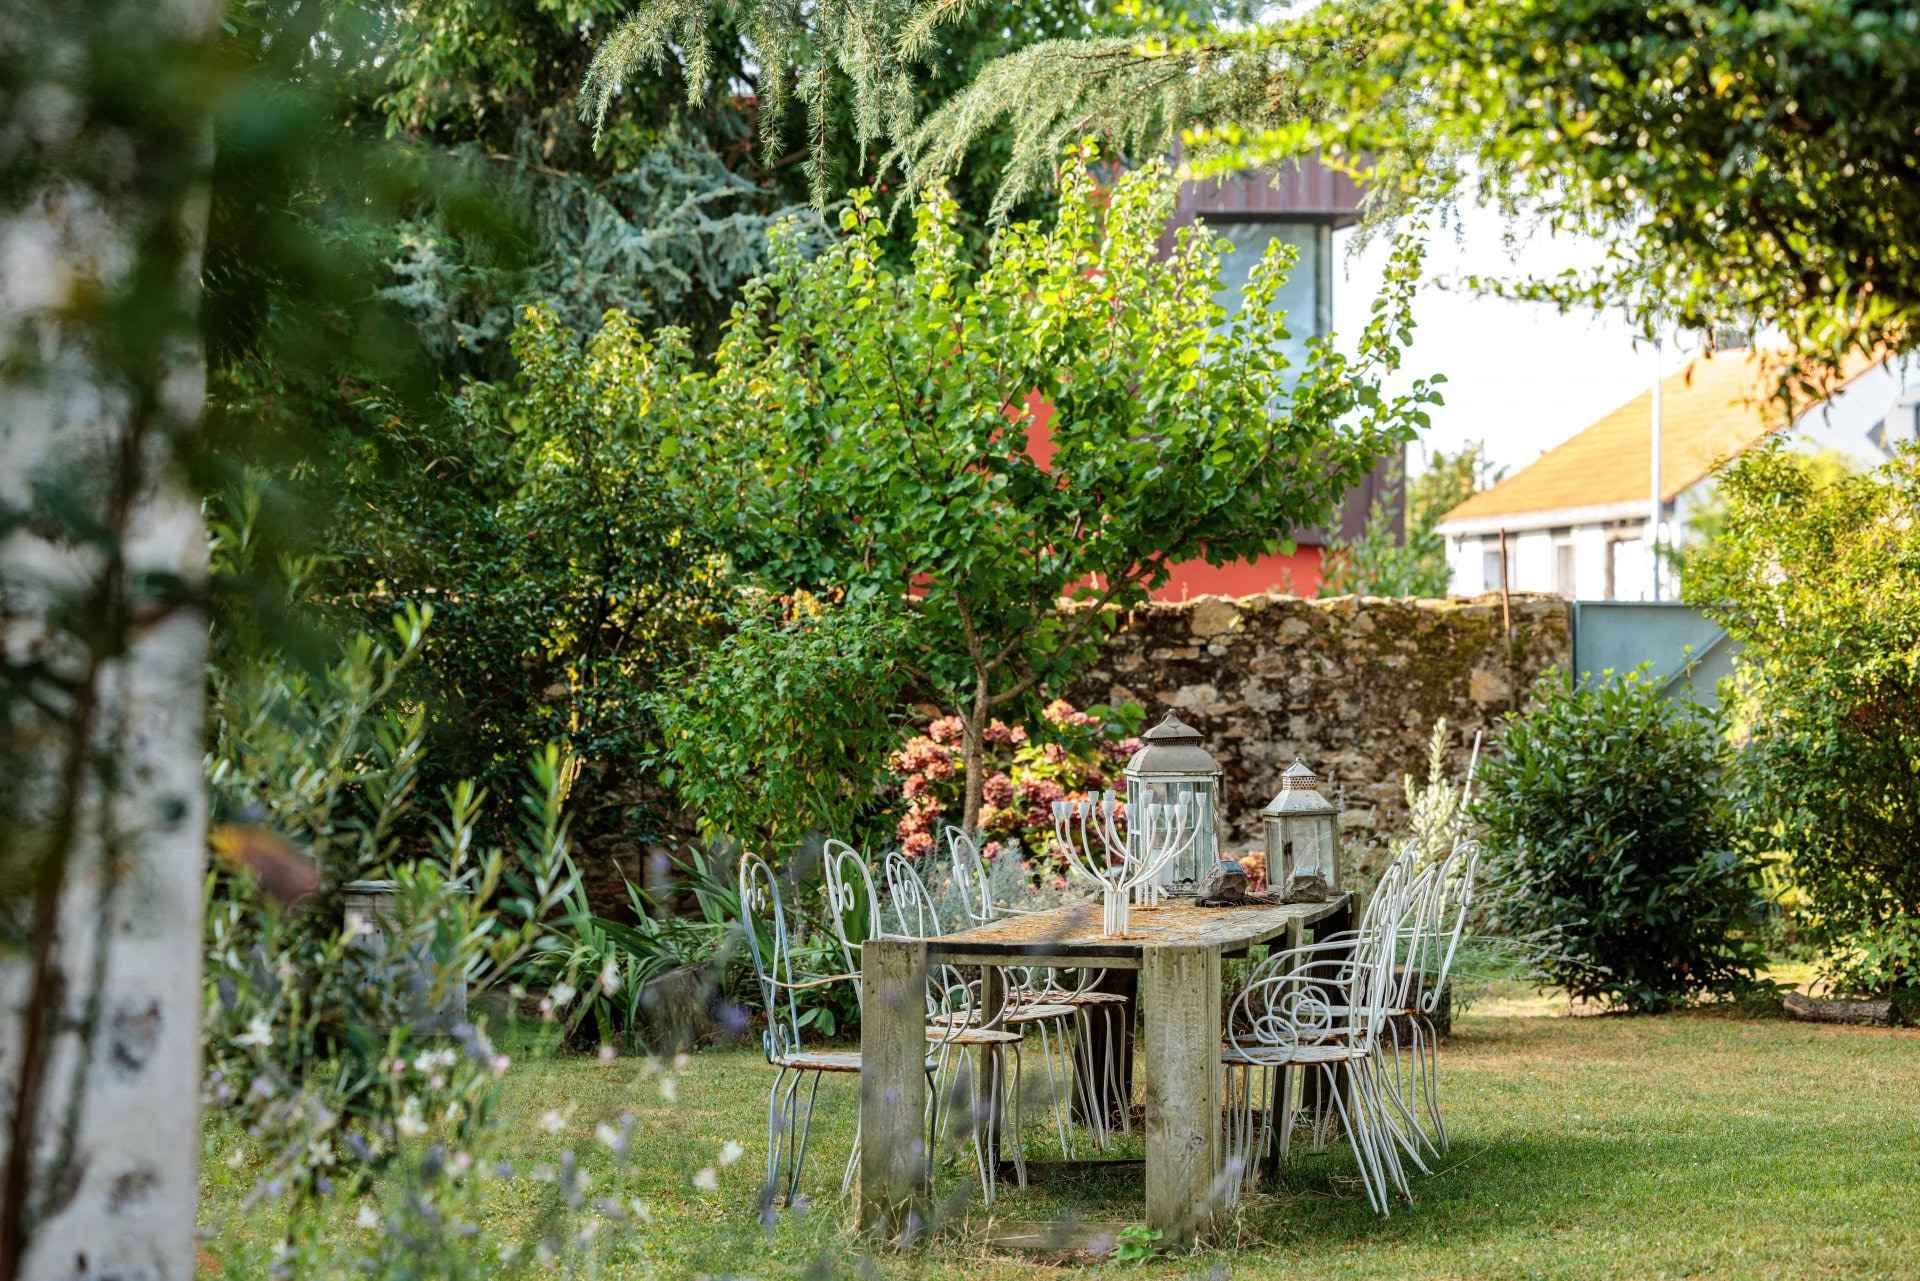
(101, 559)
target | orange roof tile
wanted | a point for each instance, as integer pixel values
(1714, 408)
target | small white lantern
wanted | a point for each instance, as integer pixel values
(1169, 768)
(1303, 839)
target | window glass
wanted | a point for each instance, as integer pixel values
(1299, 297)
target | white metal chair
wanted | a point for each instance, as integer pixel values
(954, 1018)
(1094, 1081)
(1320, 1008)
(789, 1111)
(1021, 1006)
(1429, 938)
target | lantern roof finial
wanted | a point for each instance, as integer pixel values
(1297, 793)
(1172, 747)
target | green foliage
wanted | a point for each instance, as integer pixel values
(1136, 1243)
(1707, 523)
(1447, 481)
(669, 239)
(860, 429)
(1381, 563)
(1744, 163)
(593, 970)
(1609, 845)
(1820, 580)
(781, 728)
(864, 71)
(538, 520)
(310, 1030)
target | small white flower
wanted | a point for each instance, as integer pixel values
(259, 1032)
(500, 1064)
(552, 1122)
(367, 1218)
(236, 1159)
(731, 1152)
(410, 1123)
(459, 1163)
(608, 1136)
(609, 978)
(682, 1061)
(707, 1180)
(640, 1210)
(562, 993)
(669, 1088)
(607, 1054)
(423, 1063)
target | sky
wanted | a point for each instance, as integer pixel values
(1520, 376)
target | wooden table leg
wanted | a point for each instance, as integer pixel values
(1180, 990)
(894, 1160)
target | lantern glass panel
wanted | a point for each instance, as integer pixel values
(1200, 854)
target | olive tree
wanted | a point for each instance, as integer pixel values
(866, 433)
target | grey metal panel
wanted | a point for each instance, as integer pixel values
(1688, 652)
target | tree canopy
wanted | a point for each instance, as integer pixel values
(863, 432)
(1742, 163)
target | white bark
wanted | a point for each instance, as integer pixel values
(112, 1176)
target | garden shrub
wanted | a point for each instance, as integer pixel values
(1608, 845)
(780, 730)
(1818, 575)
(343, 1059)
(1073, 754)
(564, 580)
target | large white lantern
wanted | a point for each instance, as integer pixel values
(1303, 839)
(1169, 768)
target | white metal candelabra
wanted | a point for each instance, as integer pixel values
(1127, 871)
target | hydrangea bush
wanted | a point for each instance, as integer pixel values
(1071, 755)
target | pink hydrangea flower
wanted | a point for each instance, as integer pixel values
(947, 729)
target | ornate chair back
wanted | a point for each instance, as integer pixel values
(953, 1001)
(970, 876)
(1453, 900)
(1326, 991)
(853, 909)
(765, 923)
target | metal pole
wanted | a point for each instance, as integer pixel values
(1506, 609)
(1655, 504)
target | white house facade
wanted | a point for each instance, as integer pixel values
(1575, 521)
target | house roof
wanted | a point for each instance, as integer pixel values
(1714, 408)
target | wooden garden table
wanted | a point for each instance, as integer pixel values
(1177, 949)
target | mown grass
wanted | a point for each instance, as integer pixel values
(1694, 1145)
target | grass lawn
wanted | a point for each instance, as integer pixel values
(1692, 1145)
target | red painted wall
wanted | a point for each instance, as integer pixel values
(1295, 575)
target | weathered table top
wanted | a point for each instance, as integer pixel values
(1072, 933)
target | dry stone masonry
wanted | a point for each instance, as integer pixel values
(1350, 684)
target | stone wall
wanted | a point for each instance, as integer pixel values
(1352, 685)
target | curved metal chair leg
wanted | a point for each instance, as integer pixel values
(1364, 1149)
(776, 1139)
(805, 1128)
